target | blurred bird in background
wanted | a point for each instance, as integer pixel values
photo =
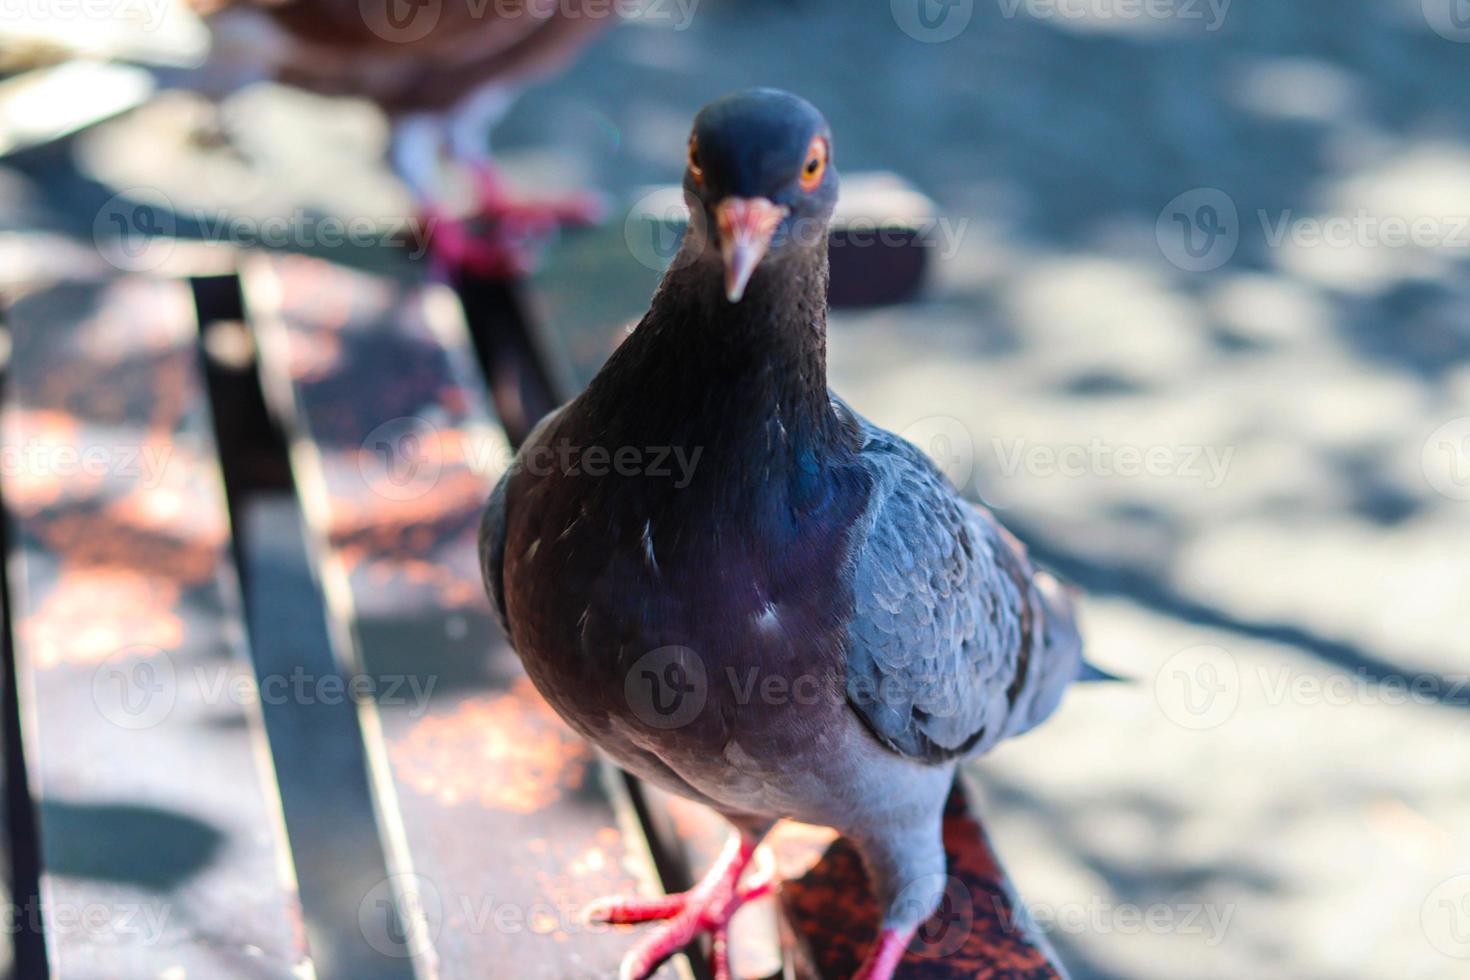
(444, 73)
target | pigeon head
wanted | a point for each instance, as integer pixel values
(760, 173)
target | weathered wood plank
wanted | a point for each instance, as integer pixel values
(163, 848)
(498, 822)
(317, 744)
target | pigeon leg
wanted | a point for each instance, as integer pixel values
(506, 230)
(719, 954)
(884, 957)
(458, 246)
(417, 153)
(501, 239)
(706, 908)
(512, 229)
(905, 861)
(543, 215)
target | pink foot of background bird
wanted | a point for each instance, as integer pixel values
(444, 81)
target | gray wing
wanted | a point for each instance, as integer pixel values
(956, 640)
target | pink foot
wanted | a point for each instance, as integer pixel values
(502, 239)
(457, 248)
(706, 908)
(531, 217)
(884, 957)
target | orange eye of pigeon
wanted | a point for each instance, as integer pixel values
(815, 166)
(695, 170)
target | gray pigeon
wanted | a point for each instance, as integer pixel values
(744, 592)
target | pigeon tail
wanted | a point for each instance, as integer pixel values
(1089, 673)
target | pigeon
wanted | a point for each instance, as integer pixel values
(445, 74)
(799, 617)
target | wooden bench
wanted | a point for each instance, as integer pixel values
(495, 823)
(163, 851)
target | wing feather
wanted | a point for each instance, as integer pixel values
(956, 641)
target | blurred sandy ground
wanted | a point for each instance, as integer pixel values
(1249, 467)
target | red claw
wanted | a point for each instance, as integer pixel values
(705, 908)
(504, 235)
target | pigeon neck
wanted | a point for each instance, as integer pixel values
(744, 384)
(763, 358)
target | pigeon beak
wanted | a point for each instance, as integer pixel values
(746, 226)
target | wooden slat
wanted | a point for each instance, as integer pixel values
(163, 848)
(316, 741)
(498, 822)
